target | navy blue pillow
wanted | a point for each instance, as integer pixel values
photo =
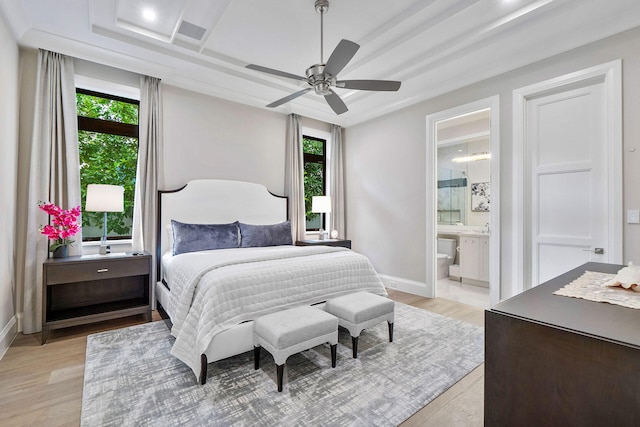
(202, 237)
(265, 235)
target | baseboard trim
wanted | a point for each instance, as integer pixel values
(8, 334)
(406, 285)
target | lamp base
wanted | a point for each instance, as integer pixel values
(104, 248)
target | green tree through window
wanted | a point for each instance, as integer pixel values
(314, 150)
(108, 145)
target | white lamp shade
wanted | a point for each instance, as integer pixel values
(104, 198)
(321, 204)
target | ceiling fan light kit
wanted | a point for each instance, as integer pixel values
(322, 77)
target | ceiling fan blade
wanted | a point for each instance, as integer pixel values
(383, 85)
(275, 72)
(289, 98)
(341, 55)
(337, 105)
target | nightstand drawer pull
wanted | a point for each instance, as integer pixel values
(103, 270)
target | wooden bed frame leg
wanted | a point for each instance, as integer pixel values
(203, 369)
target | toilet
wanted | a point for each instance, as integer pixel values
(446, 256)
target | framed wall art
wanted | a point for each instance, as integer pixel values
(480, 196)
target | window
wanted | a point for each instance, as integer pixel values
(315, 177)
(108, 144)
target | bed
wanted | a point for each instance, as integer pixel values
(213, 283)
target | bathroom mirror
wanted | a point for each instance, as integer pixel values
(463, 193)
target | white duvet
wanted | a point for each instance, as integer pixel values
(212, 291)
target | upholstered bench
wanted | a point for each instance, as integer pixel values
(291, 331)
(359, 311)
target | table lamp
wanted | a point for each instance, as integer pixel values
(104, 198)
(321, 205)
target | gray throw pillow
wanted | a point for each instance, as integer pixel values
(202, 237)
(265, 235)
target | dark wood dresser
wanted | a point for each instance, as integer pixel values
(85, 289)
(558, 361)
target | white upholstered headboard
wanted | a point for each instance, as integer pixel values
(215, 201)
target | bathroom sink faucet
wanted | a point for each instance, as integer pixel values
(486, 228)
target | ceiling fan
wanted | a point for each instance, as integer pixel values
(323, 76)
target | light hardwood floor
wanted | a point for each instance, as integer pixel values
(42, 385)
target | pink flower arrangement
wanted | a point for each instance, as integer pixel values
(62, 226)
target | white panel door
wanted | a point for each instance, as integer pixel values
(566, 144)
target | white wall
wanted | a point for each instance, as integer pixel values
(385, 162)
(207, 137)
(9, 85)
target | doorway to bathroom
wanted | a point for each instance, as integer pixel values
(463, 197)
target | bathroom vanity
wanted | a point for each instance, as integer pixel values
(474, 256)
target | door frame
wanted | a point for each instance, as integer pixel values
(610, 74)
(431, 228)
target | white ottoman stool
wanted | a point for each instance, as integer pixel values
(291, 331)
(359, 311)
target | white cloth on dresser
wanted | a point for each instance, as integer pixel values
(593, 286)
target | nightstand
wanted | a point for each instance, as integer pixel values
(325, 242)
(84, 289)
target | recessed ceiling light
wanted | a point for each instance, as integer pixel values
(149, 14)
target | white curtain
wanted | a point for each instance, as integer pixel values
(294, 177)
(149, 170)
(54, 175)
(336, 180)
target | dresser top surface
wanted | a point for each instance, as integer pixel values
(597, 319)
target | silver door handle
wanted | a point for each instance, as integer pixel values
(598, 251)
(103, 270)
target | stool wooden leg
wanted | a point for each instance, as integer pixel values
(354, 345)
(280, 372)
(390, 331)
(334, 354)
(256, 357)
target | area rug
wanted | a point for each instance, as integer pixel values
(131, 379)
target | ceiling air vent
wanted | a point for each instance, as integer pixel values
(191, 30)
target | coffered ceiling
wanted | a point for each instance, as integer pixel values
(432, 46)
